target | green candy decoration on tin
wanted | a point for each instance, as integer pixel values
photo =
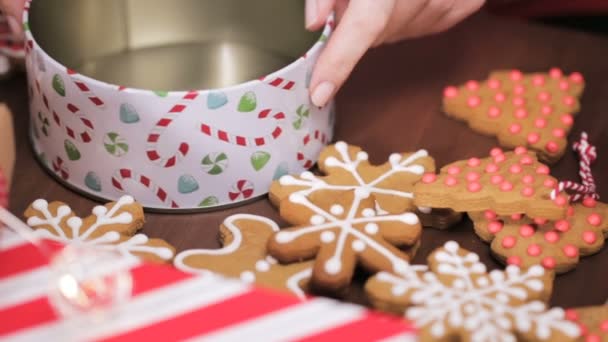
(115, 144)
(58, 85)
(128, 113)
(281, 170)
(302, 113)
(214, 163)
(71, 150)
(92, 181)
(161, 93)
(259, 159)
(210, 201)
(42, 159)
(186, 184)
(248, 102)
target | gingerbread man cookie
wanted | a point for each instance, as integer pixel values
(342, 233)
(592, 321)
(455, 298)
(505, 182)
(346, 167)
(556, 245)
(110, 227)
(533, 110)
(243, 255)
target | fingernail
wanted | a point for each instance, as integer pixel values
(15, 27)
(311, 12)
(322, 94)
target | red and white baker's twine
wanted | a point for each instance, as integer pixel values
(3, 190)
(587, 155)
(122, 175)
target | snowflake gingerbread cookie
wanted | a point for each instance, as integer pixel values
(455, 298)
(110, 227)
(341, 233)
(244, 238)
(533, 110)
(505, 182)
(346, 167)
(556, 245)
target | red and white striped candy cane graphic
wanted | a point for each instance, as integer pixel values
(3, 190)
(317, 136)
(241, 189)
(85, 135)
(60, 168)
(587, 155)
(161, 126)
(280, 83)
(242, 140)
(122, 175)
(84, 88)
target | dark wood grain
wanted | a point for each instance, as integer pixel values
(391, 103)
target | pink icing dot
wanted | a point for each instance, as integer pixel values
(570, 211)
(561, 200)
(604, 326)
(558, 132)
(494, 227)
(496, 179)
(450, 92)
(519, 150)
(521, 113)
(542, 170)
(564, 85)
(567, 119)
(489, 215)
(518, 101)
(551, 147)
(546, 110)
(562, 225)
(526, 160)
(549, 183)
(519, 89)
(540, 221)
(576, 77)
(527, 191)
(494, 83)
(474, 187)
(544, 96)
(473, 162)
(593, 338)
(495, 151)
(534, 250)
(551, 237)
(570, 251)
(555, 73)
(526, 230)
(472, 85)
(515, 168)
(515, 75)
(516, 217)
(494, 112)
(527, 179)
(533, 138)
(453, 170)
(429, 178)
(594, 219)
(540, 123)
(548, 262)
(538, 80)
(491, 168)
(499, 158)
(506, 186)
(571, 315)
(509, 241)
(473, 101)
(473, 176)
(589, 237)
(451, 181)
(500, 97)
(589, 202)
(569, 100)
(514, 260)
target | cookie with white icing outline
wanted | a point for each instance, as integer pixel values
(110, 227)
(455, 298)
(592, 321)
(244, 238)
(341, 233)
(346, 167)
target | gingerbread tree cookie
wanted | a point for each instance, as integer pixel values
(592, 321)
(342, 233)
(455, 298)
(110, 227)
(534, 110)
(505, 182)
(244, 238)
(346, 167)
(556, 245)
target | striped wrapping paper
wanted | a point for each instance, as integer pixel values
(169, 305)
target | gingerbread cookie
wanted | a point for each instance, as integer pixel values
(505, 182)
(455, 298)
(557, 245)
(533, 110)
(243, 255)
(592, 321)
(346, 167)
(341, 233)
(110, 227)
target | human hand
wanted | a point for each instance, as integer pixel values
(366, 23)
(13, 9)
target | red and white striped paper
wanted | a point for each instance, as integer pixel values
(170, 305)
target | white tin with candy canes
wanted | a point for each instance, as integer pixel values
(96, 128)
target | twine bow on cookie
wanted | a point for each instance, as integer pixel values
(587, 155)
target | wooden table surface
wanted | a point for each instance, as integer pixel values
(392, 103)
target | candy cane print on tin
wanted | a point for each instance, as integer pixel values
(123, 175)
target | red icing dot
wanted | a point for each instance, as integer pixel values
(516, 217)
(538, 80)
(558, 132)
(429, 178)
(494, 84)
(570, 251)
(496, 179)
(453, 170)
(521, 113)
(527, 191)
(589, 237)
(551, 237)
(576, 77)
(519, 89)
(542, 170)
(567, 119)
(548, 262)
(592, 338)
(451, 181)
(473, 176)
(518, 101)
(509, 241)
(551, 147)
(514, 260)
(489, 214)
(583, 329)
(494, 227)
(515, 168)
(491, 168)
(519, 150)
(473, 101)
(496, 151)
(540, 123)
(526, 160)
(472, 85)
(506, 186)
(549, 183)
(569, 100)
(527, 179)
(570, 211)
(534, 250)
(473, 162)
(450, 92)
(499, 158)
(562, 225)
(594, 219)
(571, 315)
(515, 75)
(540, 221)
(555, 73)
(546, 110)
(564, 85)
(604, 326)
(544, 96)
(494, 112)
(474, 187)
(589, 202)
(500, 97)
(533, 138)
(561, 200)
(526, 230)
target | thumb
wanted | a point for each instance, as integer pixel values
(13, 10)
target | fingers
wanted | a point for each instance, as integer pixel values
(14, 11)
(463, 9)
(362, 23)
(317, 12)
(425, 20)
